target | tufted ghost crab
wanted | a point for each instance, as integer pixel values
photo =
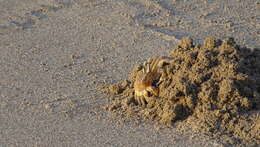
(147, 80)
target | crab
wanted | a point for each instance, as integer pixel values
(147, 80)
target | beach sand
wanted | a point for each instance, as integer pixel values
(53, 54)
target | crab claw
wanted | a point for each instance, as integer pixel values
(153, 90)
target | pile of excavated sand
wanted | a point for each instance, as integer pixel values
(214, 87)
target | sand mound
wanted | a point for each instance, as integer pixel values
(213, 87)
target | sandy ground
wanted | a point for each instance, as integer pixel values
(54, 53)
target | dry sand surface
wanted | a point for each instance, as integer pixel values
(54, 53)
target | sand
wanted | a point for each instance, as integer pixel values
(213, 88)
(53, 54)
